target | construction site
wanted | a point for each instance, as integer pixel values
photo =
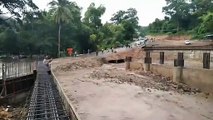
(161, 81)
(164, 80)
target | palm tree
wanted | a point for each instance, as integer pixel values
(61, 14)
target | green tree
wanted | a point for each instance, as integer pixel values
(93, 16)
(129, 20)
(207, 23)
(92, 19)
(15, 8)
(201, 7)
(9, 43)
(184, 16)
(179, 11)
(61, 14)
(112, 35)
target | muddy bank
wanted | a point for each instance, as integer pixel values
(101, 92)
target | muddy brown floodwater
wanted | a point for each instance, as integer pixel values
(108, 92)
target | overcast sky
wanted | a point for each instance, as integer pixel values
(148, 10)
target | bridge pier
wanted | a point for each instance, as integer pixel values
(178, 68)
(147, 62)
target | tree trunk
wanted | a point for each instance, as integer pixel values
(59, 39)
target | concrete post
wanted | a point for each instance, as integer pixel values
(128, 60)
(147, 62)
(177, 74)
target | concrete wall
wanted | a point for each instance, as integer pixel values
(199, 78)
(136, 65)
(163, 70)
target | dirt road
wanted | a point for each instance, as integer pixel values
(108, 92)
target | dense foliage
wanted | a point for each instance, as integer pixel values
(185, 16)
(52, 32)
(31, 31)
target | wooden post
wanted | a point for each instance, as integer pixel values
(161, 57)
(206, 60)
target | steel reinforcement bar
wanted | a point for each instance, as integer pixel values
(45, 102)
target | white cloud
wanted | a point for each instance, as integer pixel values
(148, 10)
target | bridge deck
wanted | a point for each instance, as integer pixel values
(189, 47)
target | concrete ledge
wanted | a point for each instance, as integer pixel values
(66, 102)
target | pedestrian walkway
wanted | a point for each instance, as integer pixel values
(45, 102)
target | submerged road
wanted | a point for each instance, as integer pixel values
(45, 102)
